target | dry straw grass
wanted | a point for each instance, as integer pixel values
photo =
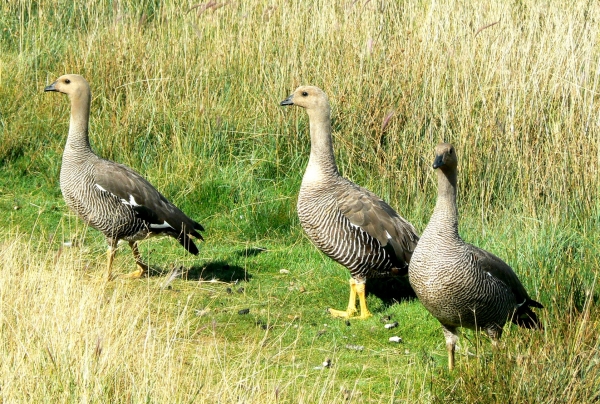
(513, 85)
(191, 90)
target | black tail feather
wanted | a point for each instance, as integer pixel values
(186, 241)
(188, 244)
(195, 231)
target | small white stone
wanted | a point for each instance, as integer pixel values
(395, 339)
(391, 325)
(284, 271)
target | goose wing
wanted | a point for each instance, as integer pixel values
(372, 215)
(500, 270)
(149, 204)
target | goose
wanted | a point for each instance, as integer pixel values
(112, 197)
(348, 223)
(459, 284)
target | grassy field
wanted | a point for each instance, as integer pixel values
(188, 95)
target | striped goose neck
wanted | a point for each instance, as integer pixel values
(322, 161)
(445, 214)
(78, 142)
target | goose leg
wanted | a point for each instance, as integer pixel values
(141, 267)
(494, 332)
(111, 256)
(451, 340)
(351, 310)
(360, 291)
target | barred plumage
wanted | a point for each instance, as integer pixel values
(348, 223)
(460, 284)
(109, 196)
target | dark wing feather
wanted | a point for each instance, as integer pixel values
(366, 210)
(149, 204)
(500, 270)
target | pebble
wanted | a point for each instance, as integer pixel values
(325, 364)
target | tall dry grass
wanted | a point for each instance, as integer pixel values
(513, 85)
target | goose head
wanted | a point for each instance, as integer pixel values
(445, 157)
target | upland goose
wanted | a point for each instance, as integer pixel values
(348, 223)
(109, 196)
(460, 284)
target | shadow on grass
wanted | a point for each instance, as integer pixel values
(219, 271)
(250, 252)
(391, 290)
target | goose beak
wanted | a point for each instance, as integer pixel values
(287, 101)
(50, 87)
(439, 161)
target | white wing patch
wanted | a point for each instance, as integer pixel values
(131, 202)
(388, 235)
(161, 226)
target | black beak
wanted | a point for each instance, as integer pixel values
(287, 101)
(439, 161)
(50, 87)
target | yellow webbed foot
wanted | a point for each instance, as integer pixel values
(342, 313)
(355, 289)
(141, 267)
(138, 273)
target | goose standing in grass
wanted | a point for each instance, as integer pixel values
(109, 196)
(348, 223)
(460, 284)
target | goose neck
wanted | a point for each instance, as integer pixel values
(321, 149)
(78, 140)
(445, 214)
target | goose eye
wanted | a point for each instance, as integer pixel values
(304, 94)
(67, 81)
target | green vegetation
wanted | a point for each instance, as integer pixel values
(188, 95)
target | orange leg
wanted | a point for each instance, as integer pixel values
(141, 267)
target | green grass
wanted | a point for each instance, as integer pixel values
(189, 96)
